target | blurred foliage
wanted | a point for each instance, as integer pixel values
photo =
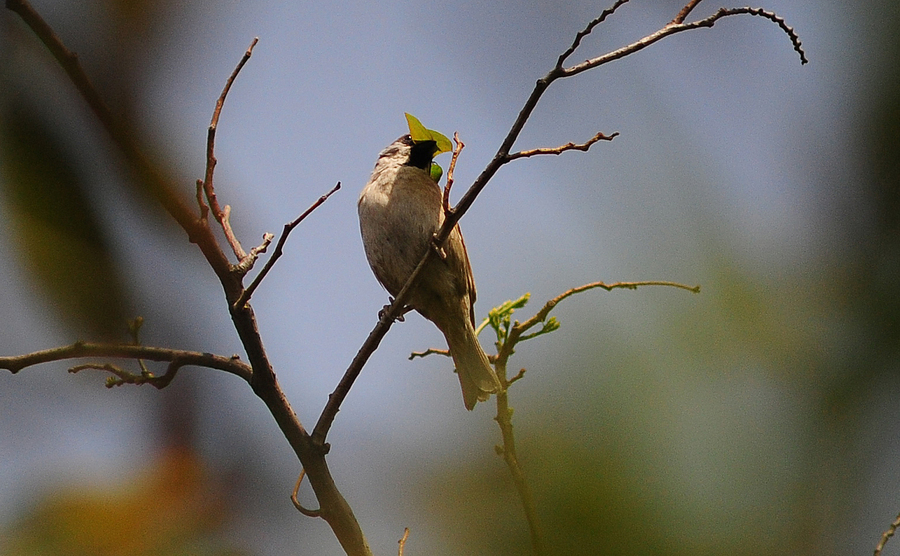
(172, 507)
(59, 234)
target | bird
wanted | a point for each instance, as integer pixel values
(400, 210)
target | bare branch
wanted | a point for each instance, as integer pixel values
(429, 351)
(887, 535)
(563, 148)
(587, 31)
(686, 11)
(222, 214)
(79, 350)
(279, 247)
(518, 377)
(402, 541)
(673, 28)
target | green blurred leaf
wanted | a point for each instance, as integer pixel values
(436, 172)
(57, 233)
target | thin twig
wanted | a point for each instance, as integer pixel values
(300, 507)
(429, 351)
(686, 11)
(563, 148)
(279, 247)
(222, 214)
(517, 377)
(887, 535)
(246, 264)
(541, 315)
(673, 28)
(587, 31)
(450, 171)
(402, 541)
(121, 376)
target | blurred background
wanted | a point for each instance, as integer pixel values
(758, 417)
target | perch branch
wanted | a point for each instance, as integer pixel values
(453, 215)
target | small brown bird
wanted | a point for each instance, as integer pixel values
(400, 209)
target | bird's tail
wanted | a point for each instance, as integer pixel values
(476, 376)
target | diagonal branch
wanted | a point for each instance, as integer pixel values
(288, 228)
(686, 11)
(885, 537)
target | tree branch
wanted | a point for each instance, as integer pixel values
(288, 228)
(563, 148)
(222, 214)
(887, 535)
(80, 350)
(452, 169)
(518, 329)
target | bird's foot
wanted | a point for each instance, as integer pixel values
(399, 317)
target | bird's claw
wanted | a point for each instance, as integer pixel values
(399, 317)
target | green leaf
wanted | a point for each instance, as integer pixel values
(436, 172)
(419, 133)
